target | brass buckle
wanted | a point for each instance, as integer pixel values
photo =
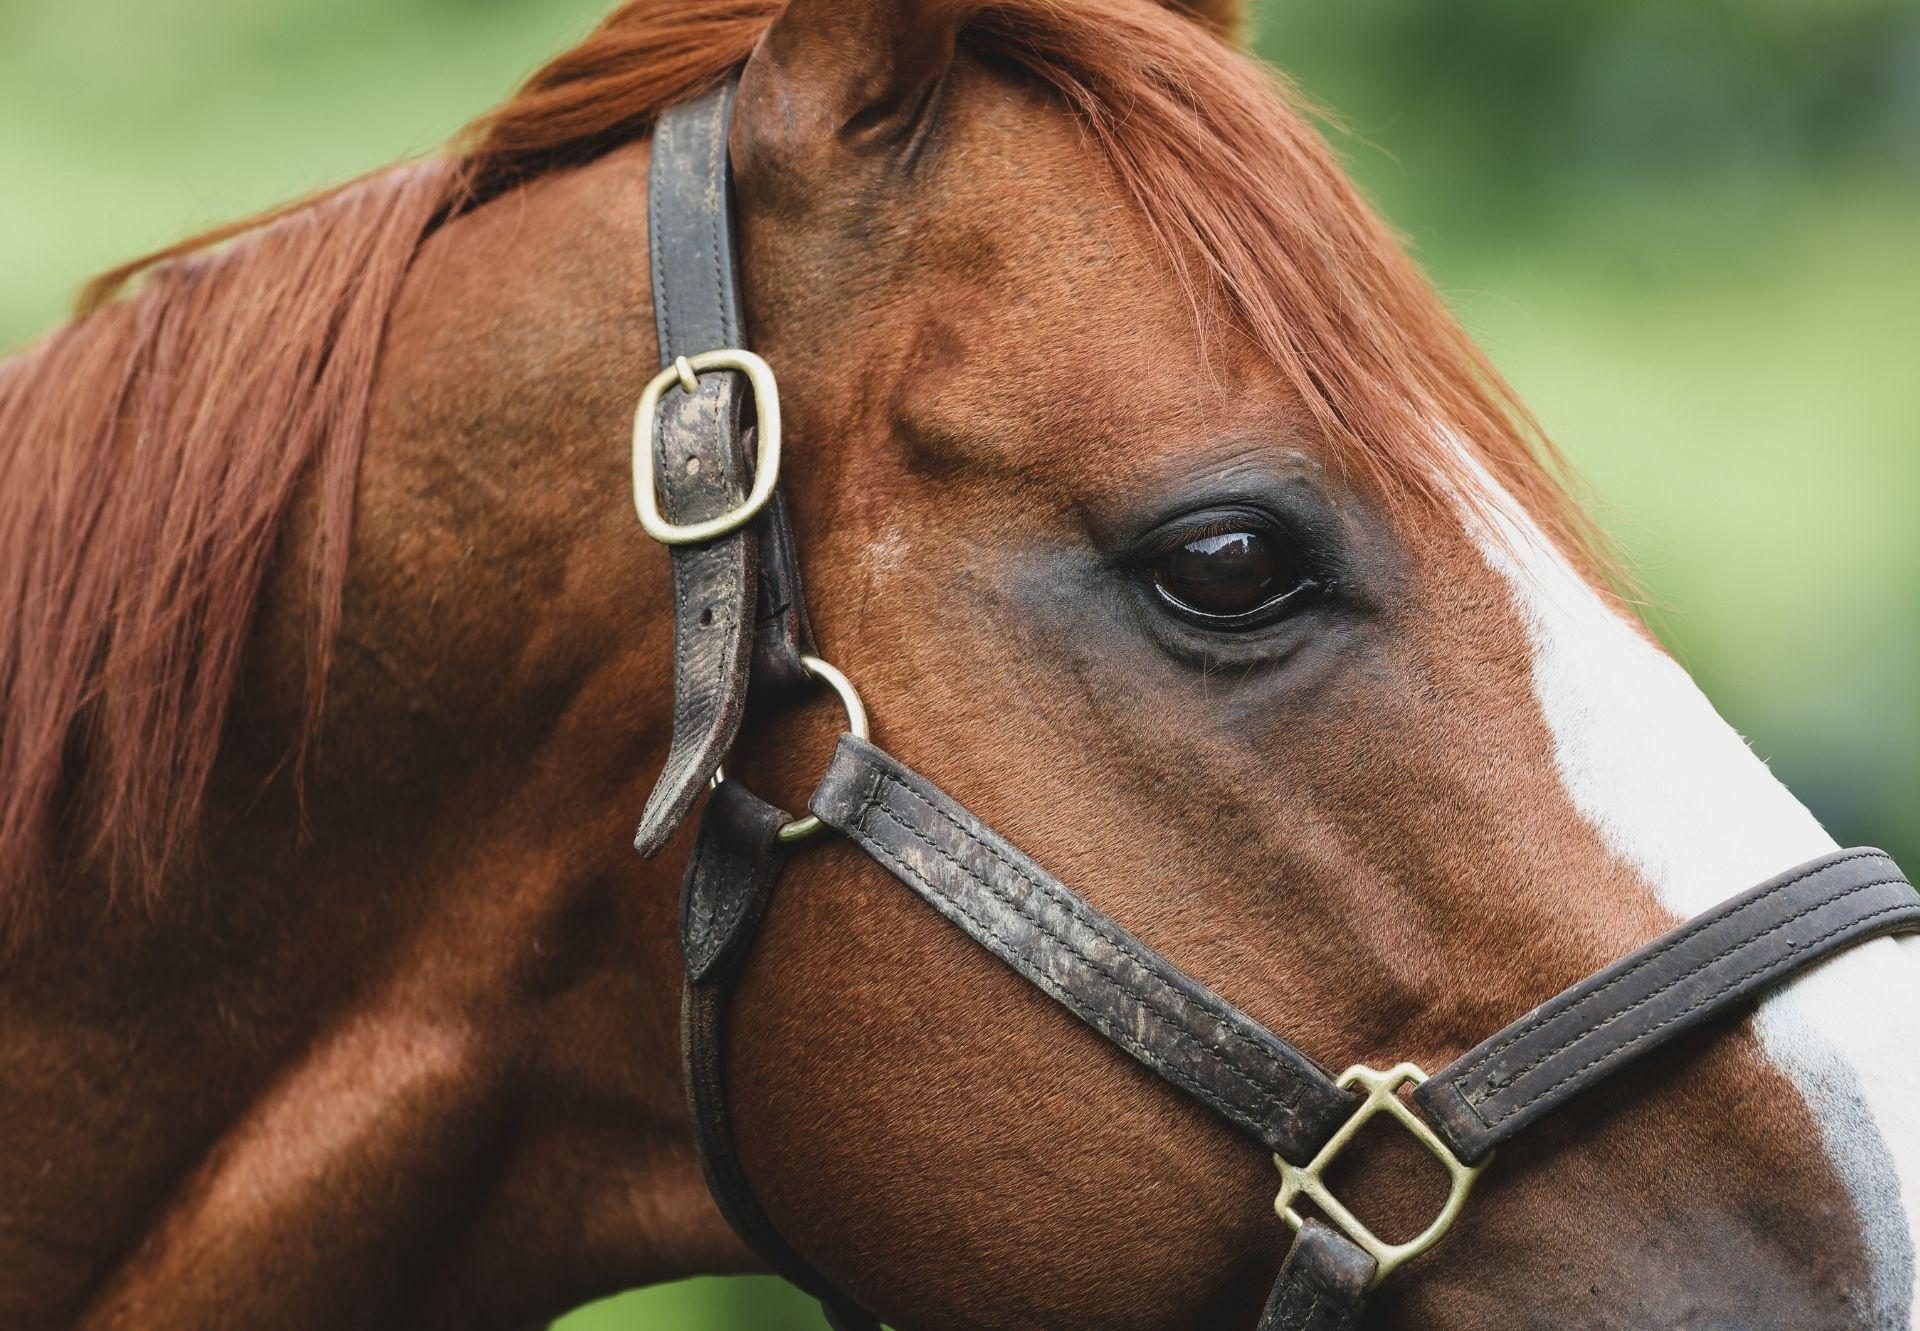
(685, 372)
(1297, 1180)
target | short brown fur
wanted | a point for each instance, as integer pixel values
(209, 397)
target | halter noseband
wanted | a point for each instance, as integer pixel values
(740, 622)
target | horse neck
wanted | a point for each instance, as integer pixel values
(422, 997)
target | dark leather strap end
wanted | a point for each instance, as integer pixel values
(1720, 958)
(1323, 1284)
(735, 866)
(714, 589)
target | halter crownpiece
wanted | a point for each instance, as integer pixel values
(733, 554)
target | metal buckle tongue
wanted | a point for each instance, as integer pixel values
(1306, 1180)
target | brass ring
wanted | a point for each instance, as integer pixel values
(799, 829)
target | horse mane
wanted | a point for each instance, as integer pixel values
(151, 451)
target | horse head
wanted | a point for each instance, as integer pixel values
(1153, 503)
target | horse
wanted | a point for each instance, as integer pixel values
(1152, 498)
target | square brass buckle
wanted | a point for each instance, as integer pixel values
(1381, 1088)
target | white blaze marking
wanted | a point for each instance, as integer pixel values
(1675, 792)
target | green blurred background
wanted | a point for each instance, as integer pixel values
(1689, 230)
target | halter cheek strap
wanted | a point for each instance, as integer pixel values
(713, 406)
(691, 470)
(736, 864)
(691, 454)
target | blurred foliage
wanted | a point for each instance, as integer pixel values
(1528, 109)
(1685, 228)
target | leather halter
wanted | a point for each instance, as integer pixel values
(740, 628)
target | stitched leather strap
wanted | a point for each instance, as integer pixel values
(699, 452)
(1101, 973)
(695, 271)
(736, 866)
(1719, 958)
(702, 447)
(1322, 1285)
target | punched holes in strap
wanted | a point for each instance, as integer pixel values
(1719, 958)
(1093, 967)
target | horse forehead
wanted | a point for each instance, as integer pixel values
(1005, 289)
(1050, 316)
(1032, 212)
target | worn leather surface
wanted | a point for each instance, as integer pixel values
(1097, 970)
(1322, 1285)
(700, 453)
(739, 609)
(735, 865)
(695, 270)
(783, 634)
(1719, 958)
(713, 594)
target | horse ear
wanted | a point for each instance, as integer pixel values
(856, 73)
(1226, 17)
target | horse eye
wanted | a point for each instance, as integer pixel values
(1229, 579)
